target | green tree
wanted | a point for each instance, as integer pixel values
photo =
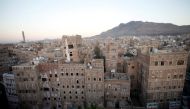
(94, 106)
(97, 52)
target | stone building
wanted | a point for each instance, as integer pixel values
(10, 85)
(146, 44)
(117, 90)
(72, 83)
(4, 61)
(23, 55)
(162, 74)
(71, 47)
(68, 84)
(111, 54)
(62, 84)
(48, 83)
(26, 78)
(131, 68)
(94, 82)
(7, 59)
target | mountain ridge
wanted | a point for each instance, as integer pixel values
(139, 28)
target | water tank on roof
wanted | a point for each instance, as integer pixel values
(113, 71)
(155, 50)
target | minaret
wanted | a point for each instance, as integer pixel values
(67, 51)
(23, 36)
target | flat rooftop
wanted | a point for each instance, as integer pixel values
(116, 76)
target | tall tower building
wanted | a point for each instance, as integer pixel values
(72, 45)
(23, 36)
(162, 77)
(111, 56)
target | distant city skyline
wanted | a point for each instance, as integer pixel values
(54, 18)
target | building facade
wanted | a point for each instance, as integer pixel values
(27, 84)
(10, 86)
(131, 68)
(117, 90)
(67, 85)
(162, 75)
(71, 47)
(94, 82)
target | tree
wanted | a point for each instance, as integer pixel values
(93, 106)
(97, 52)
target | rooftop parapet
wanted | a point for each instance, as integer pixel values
(116, 76)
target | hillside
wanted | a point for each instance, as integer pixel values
(139, 28)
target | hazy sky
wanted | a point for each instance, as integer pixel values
(52, 18)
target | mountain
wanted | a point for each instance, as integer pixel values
(139, 28)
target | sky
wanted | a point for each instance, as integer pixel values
(41, 19)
